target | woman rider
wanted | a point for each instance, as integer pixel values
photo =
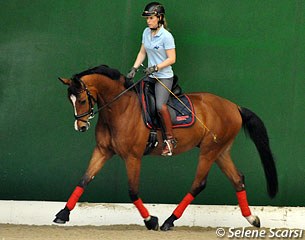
(159, 46)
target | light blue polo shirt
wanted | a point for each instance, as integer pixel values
(155, 47)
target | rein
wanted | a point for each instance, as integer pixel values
(91, 111)
(118, 96)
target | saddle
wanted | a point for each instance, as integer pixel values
(180, 114)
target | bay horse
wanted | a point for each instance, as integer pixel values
(115, 134)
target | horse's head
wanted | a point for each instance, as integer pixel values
(82, 101)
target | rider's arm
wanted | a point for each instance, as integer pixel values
(140, 58)
(171, 59)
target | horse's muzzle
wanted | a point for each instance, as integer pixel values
(83, 127)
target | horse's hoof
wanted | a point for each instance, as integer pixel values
(169, 223)
(152, 223)
(256, 222)
(59, 221)
(167, 226)
(62, 216)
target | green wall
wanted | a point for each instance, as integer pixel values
(251, 52)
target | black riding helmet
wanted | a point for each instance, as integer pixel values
(154, 8)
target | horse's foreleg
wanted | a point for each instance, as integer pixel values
(227, 166)
(96, 163)
(133, 166)
(198, 185)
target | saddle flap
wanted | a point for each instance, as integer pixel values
(180, 108)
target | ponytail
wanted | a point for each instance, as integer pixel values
(163, 22)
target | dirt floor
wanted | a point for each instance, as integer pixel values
(128, 232)
(118, 232)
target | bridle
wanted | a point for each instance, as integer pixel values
(92, 101)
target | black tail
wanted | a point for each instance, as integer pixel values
(255, 127)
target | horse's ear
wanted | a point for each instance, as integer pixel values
(65, 81)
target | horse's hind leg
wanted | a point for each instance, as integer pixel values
(205, 162)
(227, 166)
(98, 159)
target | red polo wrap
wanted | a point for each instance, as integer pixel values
(183, 204)
(143, 211)
(78, 191)
(243, 203)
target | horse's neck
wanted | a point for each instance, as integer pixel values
(116, 114)
(107, 89)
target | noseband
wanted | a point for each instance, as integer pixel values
(91, 101)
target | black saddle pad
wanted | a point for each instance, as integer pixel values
(180, 112)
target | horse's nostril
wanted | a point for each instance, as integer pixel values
(83, 129)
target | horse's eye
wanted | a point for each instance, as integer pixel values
(83, 102)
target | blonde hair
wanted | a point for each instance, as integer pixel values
(165, 23)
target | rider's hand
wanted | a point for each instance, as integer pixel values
(132, 73)
(151, 70)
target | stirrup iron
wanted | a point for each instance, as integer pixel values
(170, 143)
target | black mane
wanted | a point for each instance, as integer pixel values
(77, 87)
(102, 69)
